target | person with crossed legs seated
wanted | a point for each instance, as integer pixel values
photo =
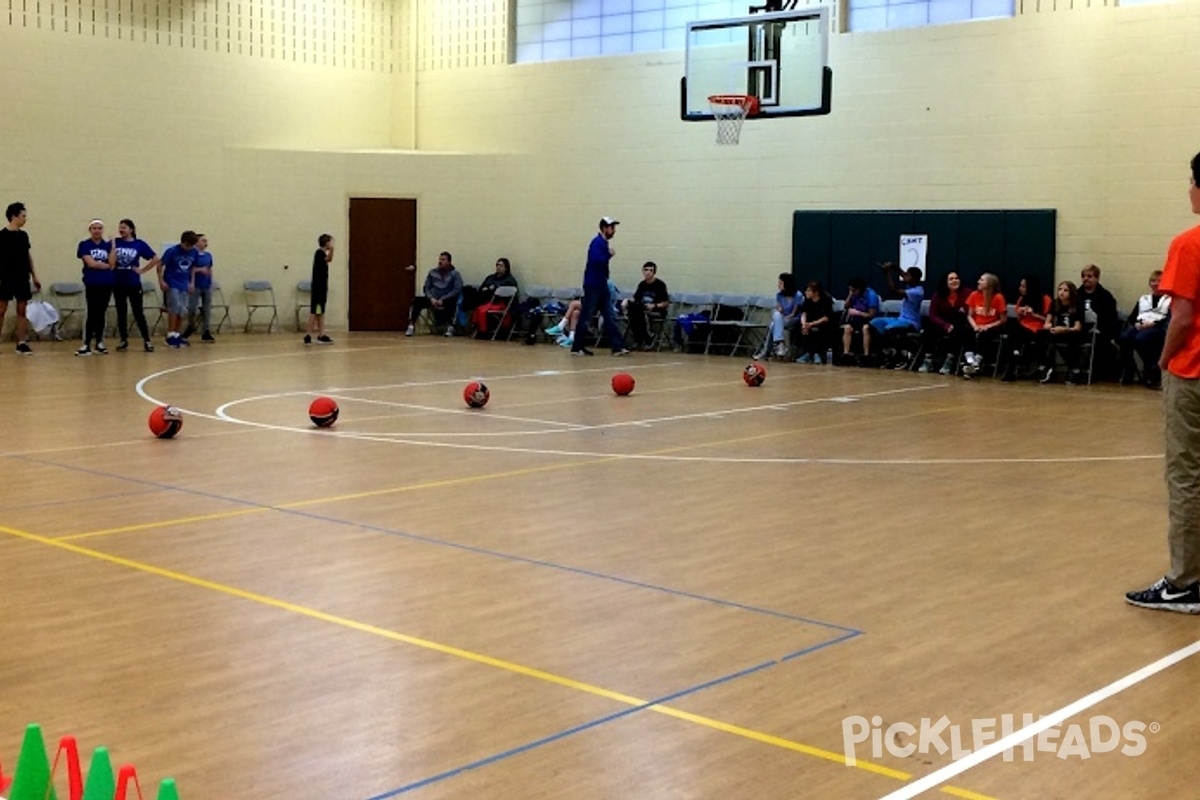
(1145, 334)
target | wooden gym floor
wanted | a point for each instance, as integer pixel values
(679, 594)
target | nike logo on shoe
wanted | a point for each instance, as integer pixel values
(1172, 595)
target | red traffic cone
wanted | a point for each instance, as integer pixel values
(32, 779)
(167, 790)
(68, 747)
(126, 776)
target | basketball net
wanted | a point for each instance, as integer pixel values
(731, 111)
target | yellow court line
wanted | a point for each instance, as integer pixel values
(468, 655)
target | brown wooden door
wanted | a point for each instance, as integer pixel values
(383, 248)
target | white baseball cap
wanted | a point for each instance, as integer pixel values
(606, 221)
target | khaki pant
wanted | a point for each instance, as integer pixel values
(1181, 407)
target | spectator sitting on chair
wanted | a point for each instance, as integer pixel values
(909, 320)
(484, 302)
(783, 318)
(1145, 334)
(815, 331)
(1031, 308)
(986, 314)
(1095, 298)
(443, 287)
(1064, 327)
(649, 302)
(948, 324)
(862, 306)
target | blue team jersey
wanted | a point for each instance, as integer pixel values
(596, 271)
(130, 253)
(204, 259)
(98, 251)
(177, 267)
(910, 307)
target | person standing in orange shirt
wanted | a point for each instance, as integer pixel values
(1179, 589)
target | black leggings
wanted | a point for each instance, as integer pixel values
(132, 294)
(98, 298)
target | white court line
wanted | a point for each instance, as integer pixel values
(1050, 721)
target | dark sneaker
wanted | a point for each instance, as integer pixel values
(582, 352)
(101, 349)
(323, 339)
(1163, 596)
(23, 350)
(207, 338)
(307, 339)
(84, 351)
(147, 346)
(173, 341)
(124, 345)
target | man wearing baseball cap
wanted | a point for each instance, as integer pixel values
(596, 294)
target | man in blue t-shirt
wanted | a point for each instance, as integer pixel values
(862, 306)
(175, 279)
(201, 292)
(596, 293)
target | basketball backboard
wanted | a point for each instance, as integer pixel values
(782, 58)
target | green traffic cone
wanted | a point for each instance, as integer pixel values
(32, 778)
(167, 790)
(100, 782)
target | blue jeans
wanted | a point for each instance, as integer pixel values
(598, 297)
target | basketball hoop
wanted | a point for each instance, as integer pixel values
(731, 111)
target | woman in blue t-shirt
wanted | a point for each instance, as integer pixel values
(127, 285)
(787, 311)
(98, 257)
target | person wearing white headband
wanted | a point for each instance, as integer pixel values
(98, 259)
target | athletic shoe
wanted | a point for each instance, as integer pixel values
(624, 351)
(84, 351)
(583, 352)
(409, 330)
(781, 350)
(565, 341)
(124, 345)
(101, 349)
(804, 359)
(947, 366)
(207, 338)
(1162, 596)
(817, 360)
(926, 365)
(183, 342)
(449, 332)
(173, 341)
(23, 350)
(323, 339)
(148, 346)
(759, 356)
(556, 330)
(307, 339)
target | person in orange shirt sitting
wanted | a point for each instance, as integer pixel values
(986, 314)
(1031, 308)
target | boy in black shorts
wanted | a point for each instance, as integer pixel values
(320, 290)
(16, 271)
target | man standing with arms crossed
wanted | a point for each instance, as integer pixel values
(1179, 589)
(596, 294)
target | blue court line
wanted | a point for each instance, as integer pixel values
(457, 546)
(73, 500)
(524, 748)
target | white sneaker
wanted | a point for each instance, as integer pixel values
(449, 332)
(409, 331)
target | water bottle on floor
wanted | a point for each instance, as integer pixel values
(829, 356)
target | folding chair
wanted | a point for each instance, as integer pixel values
(303, 300)
(689, 304)
(755, 328)
(220, 306)
(508, 295)
(729, 311)
(69, 299)
(260, 296)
